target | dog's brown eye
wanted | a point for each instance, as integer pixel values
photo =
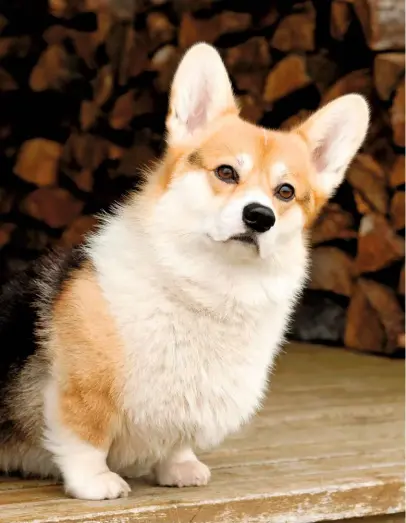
(285, 192)
(227, 174)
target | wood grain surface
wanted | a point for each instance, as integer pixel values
(328, 445)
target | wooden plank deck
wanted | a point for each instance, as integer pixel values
(328, 445)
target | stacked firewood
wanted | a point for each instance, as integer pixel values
(83, 95)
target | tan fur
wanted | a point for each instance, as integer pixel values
(86, 351)
(227, 138)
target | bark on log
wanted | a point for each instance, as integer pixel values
(397, 210)
(333, 224)
(382, 22)
(38, 161)
(296, 32)
(378, 244)
(388, 71)
(54, 206)
(397, 173)
(341, 16)
(367, 177)
(375, 321)
(398, 115)
(287, 76)
(332, 270)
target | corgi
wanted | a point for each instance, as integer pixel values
(155, 339)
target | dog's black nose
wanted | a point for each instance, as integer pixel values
(258, 217)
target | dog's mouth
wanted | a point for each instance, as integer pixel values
(246, 237)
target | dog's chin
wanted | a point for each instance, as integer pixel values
(243, 245)
(246, 238)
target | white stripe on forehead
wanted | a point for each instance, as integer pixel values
(279, 170)
(244, 161)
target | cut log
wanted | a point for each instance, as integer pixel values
(55, 34)
(251, 82)
(103, 85)
(249, 63)
(332, 270)
(114, 152)
(398, 115)
(378, 141)
(38, 161)
(59, 8)
(123, 111)
(75, 233)
(86, 149)
(397, 174)
(251, 55)
(285, 77)
(251, 108)
(296, 32)
(368, 178)
(164, 62)
(160, 29)
(384, 301)
(340, 19)
(295, 120)
(271, 16)
(132, 55)
(85, 46)
(83, 179)
(359, 81)
(54, 206)
(89, 111)
(105, 22)
(51, 71)
(382, 22)
(323, 70)
(375, 321)
(333, 224)
(378, 245)
(397, 210)
(359, 315)
(193, 30)
(388, 71)
(363, 206)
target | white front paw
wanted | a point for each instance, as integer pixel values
(106, 485)
(184, 474)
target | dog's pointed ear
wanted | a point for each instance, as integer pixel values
(334, 134)
(201, 91)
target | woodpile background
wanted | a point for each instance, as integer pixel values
(83, 94)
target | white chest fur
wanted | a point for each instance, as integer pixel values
(196, 356)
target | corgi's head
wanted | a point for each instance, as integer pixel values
(240, 188)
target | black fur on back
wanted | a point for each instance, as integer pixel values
(41, 282)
